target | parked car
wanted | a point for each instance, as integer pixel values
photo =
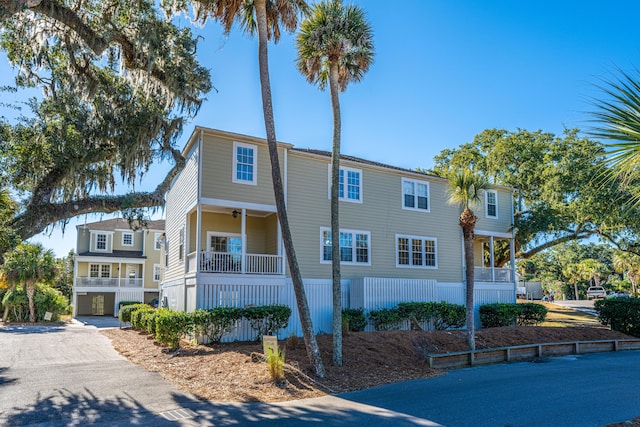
(596, 292)
(618, 294)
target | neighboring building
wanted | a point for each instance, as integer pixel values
(115, 263)
(400, 238)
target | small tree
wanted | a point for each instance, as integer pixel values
(29, 264)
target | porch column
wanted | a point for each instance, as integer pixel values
(120, 274)
(244, 240)
(280, 249)
(198, 239)
(492, 259)
(512, 259)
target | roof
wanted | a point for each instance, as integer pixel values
(115, 254)
(122, 224)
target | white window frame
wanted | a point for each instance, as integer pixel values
(254, 165)
(415, 207)
(424, 258)
(157, 272)
(181, 245)
(354, 254)
(156, 241)
(127, 234)
(486, 203)
(345, 192)
(100, 274)
(221, 234)
(94, 241)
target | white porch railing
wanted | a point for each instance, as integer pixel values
(224, 262)
(488, 274)
(110, 282)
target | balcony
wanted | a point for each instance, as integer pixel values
(111, 282)
(496, 275)
(230, 263)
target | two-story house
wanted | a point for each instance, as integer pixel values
(400, 239)
(115, 263)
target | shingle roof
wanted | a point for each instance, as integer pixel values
(115, 254)
(360, 160)
(121, 224)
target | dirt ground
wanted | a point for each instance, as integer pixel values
(236, 372)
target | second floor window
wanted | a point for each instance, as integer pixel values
(100, 270)
(101, 242)
(350, 184)
(245, 158)
(156, 272)
(415, 195)
(127, 239)
(491, 203)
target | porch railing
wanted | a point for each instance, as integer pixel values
(110, 282)
(488, 274)
(224, 262)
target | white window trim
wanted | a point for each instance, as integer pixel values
(345, 198)
(486, 204)
(353, 232)
(219, 234)
(181, 244)
(94, 241)
(159, 269)
(100, 271)
(156, 243)
(127, 234)
(416, 182)
(423, 267)
(234, 176)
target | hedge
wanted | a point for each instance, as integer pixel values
(621, 314)
(449, 316)
(504, 314)
(214, 323)
(125, 311)
(386, 319)
(171, 326)
(267, 319)
(531, 314)
(137, 317)
(354, 319)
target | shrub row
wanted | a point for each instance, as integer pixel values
(443, 315)
(169, 326)
(503, 314)
(621, 314)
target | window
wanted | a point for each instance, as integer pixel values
(181, 246)
(157, 238)
(491, 203)
(127, 239)
(245, 163)
(415, 195)
(225, 243)
(101, 242)
(350, 186)
(416, 252)
(100, 270)
(354, 246)
(156, 272)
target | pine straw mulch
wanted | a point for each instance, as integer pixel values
(236, 372)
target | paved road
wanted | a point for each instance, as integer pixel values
(72, 376)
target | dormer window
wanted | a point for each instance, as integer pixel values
(127, 239)
(100, 241)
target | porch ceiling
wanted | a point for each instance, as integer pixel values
(229, 211)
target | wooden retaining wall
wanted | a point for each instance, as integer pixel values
(527, 352)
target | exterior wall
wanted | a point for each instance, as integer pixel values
(137, 241)
(217, 171)
(148, 238)
(380, 213)
(262, 233)
(183, 194)
(503, 223)
(82, 240)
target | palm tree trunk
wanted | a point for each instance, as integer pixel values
(313, 351)
(5, 315)
(468, 223)
(575, 289)
(31, 290)
(335, 219)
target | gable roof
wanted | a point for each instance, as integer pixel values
(121, 224)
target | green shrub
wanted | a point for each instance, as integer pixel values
(530, 314)
(214, 323)
(267, 319)
(124, 314)
(386, 319)
(417, 312)
(171, 326)
(137, 317)
(275, 360)
(149, 319)
(354, 319)
(621, 314)
(46, 299)
(498, 314)
(449, 316)
(125, 303)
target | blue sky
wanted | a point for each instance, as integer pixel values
(443, 72)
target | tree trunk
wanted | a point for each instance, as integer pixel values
(575, 288)
(335, 220)
(468, 224)
(313, 351)
(31, 290)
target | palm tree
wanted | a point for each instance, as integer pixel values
(335, 47)
(265, 17)
(29, 264)
(617, 119)
(573, 273)
(593, 270)
(464, 189)
(628, 263)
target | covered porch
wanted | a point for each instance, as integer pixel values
(242, 239)
(485, 246)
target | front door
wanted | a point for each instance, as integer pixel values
(97, 305)
(132, 275)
